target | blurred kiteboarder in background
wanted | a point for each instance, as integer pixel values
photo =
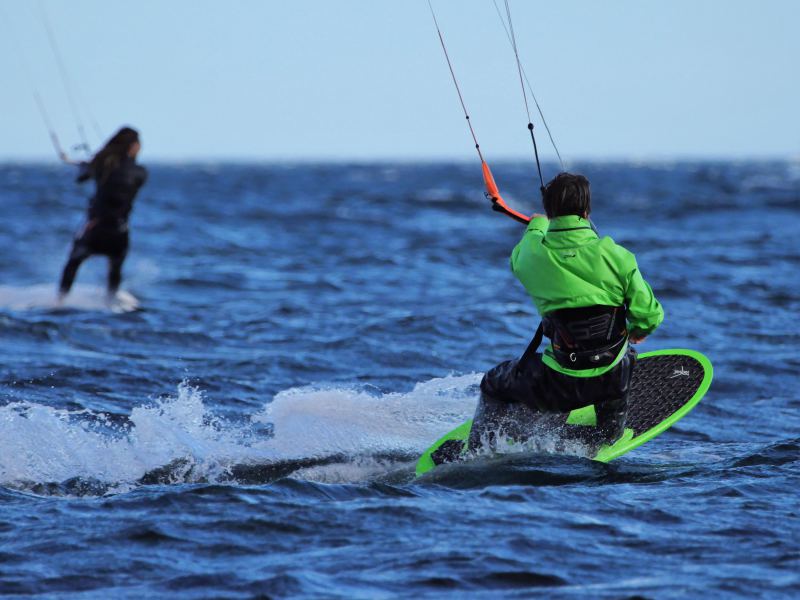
(117, 179)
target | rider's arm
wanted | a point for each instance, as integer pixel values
(537, 227)
(644, 311)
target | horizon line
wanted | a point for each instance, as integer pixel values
(456, 159)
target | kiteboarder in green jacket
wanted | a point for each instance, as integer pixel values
(594, 303)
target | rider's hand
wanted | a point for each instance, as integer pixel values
(637, 339)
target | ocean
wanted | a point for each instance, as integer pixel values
(305, 331)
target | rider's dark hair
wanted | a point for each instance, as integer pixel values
(110, 156)
(567, 194)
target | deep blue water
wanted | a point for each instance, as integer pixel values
(307, 330)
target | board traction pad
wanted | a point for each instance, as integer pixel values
(666, 384)
(659, 387)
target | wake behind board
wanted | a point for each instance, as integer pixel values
(666, 385)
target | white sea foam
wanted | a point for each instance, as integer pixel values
(41, 444)
(356, 422)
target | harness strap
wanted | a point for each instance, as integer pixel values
(530, 351)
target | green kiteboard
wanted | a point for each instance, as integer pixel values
(666, 385)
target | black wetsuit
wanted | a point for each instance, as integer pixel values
(106, 229)
(520, 400)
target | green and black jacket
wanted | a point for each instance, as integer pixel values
(563, 263)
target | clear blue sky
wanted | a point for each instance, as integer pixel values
(366, 79)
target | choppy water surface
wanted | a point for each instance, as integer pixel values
(307, 330)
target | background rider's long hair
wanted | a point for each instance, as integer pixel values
(110, 156)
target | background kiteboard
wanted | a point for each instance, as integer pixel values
(123, 302)
(82, 297)
(666, 385)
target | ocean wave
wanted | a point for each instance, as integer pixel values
(178, 439)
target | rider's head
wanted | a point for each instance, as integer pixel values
(567, 194)
(124, 143)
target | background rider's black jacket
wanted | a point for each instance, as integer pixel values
(113, 199)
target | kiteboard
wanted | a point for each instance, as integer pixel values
(666, 385)
(123, 302)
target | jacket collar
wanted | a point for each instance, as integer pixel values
(570, 230)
